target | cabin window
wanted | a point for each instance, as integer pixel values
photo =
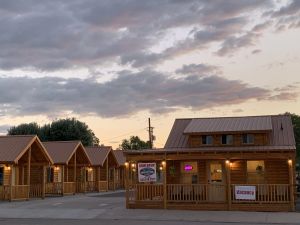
(50, 175)
(227, 139)
(1, 175)
(207, 140)
(248, 138)
(255, 172)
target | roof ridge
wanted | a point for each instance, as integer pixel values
(61, 141)
(220, 117)
(21, 135)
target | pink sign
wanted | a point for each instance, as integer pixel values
(188, 167)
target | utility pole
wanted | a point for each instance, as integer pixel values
(150, 131)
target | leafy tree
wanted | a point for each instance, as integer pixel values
(134, 143)
(59, 130)
(296, 124)
(24, 129)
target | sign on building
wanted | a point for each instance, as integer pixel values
(245, 192)
(147, 172)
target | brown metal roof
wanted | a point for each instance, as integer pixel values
(278, 137)
(62, 151)
(12, 147)
(119, 155)
(229, 124)
(98, 154)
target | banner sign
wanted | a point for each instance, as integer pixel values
(147, 172)
(245, 192)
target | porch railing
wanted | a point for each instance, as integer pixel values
(265, 193)
(20, 192)
(196, 193)
(53, 188)
(102, 185)
(69, 187)
(145, 192)
(91, 186)
(36, 191)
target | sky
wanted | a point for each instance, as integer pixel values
(114, 63)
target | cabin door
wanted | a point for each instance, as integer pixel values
(216, 181)
(1, 176)
(111, 182)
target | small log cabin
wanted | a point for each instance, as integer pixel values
(97, 174)
(22, 158)
(120, 170)
(67, 175)
(230, 163)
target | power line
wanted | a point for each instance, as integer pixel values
(122, 135)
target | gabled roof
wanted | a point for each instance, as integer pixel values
(281, 133)
(229, 124)
(98, 154)
(62, 151)
(13, 147)
(119, 155)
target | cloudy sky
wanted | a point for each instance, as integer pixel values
(114, 63)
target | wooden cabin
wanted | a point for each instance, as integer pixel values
(234, 163)
(107, 169)
(120, 170)
(22, 162)
(97, 174)
(67, 175)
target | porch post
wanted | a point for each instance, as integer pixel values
(291, 182)
(127, 184)
(62, 180)
(75, 182)
(43, 183)
(28, 171)
(67, 168)
(10, 183)
(84, 181)
(114, 178)
(164, 164)
(107, 178)
(228, 180)
(98, 179)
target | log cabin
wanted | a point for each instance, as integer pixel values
(22, 158)
(97, 174)
(229, 163)
(107, 169)
(67, 175)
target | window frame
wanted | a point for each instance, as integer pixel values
(260, 175)
(206, 138)
(247, 137)
(227, 139)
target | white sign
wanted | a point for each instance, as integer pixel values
(147, 172)
(245, 192)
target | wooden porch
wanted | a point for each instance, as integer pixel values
(22, 178)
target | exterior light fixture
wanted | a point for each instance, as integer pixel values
(290, 162)
(133, 165)
(227, 161)
(163, 163)
(160, 168)
(126, 164)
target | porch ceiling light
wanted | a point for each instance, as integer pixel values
(290, 162)
(163, 163)
(227, 161)
(126, 164)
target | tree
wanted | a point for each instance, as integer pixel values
(134, 143)
(59, 130)
(24, 129)
(296, 124)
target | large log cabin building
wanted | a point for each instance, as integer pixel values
(229, 163)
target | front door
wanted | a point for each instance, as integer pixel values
(1, 175)
(216, 181)
(111, 181)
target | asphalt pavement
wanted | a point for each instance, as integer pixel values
(109, 209)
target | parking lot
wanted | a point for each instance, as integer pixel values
(109, 208)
